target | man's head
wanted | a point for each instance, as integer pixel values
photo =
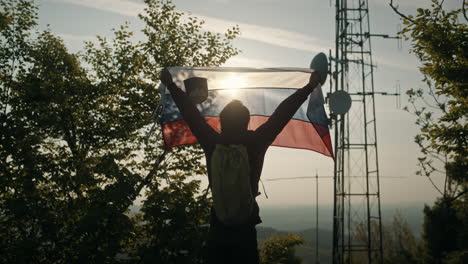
(234, 117)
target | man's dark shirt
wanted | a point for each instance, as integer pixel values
(256, 142)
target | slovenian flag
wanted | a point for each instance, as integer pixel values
(261, 91)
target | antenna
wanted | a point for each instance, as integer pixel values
(400, 40)
(398, 93)
(317, 260)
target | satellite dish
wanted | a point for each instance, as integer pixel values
(320, 64)
(340, 102)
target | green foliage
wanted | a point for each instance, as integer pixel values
(190, 46)
(73, 155)
(280, 250)
(399, 243)
(445, 232)
(175, 224)
(439, 39)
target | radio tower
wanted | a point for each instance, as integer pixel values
(357, 223)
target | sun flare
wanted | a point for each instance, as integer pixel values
(233, 84)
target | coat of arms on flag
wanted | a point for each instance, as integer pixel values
(260, 90)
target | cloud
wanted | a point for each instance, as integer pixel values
(241, 61)
(72, 37)
(222, 1)
(412, 4)
(75, 42)
(405, 3)
(268, 35)
(123, 7)
(408, 64)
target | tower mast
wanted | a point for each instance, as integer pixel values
(357, 222)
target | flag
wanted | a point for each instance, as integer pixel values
(261, 91)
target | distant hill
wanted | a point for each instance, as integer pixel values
(297, 218)
(294, 218)
(300, 219)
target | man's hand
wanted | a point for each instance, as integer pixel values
(166, 77)
(314, 80)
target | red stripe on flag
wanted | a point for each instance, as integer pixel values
(296, 134)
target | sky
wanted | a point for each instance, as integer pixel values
(278, 33)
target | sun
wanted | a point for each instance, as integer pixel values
(232, 84)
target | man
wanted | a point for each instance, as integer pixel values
(237, 243)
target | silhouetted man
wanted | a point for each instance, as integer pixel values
(237, 243)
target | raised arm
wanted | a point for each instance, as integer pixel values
(285, 111)
(200, 129)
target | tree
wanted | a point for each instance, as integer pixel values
(440, 42)
(73, 150)
(280, 249)
(399, 242)
(445, 233)
(439, 39)
(400, 245)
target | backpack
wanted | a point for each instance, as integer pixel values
(230, 184)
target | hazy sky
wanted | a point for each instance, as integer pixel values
(287, 33)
